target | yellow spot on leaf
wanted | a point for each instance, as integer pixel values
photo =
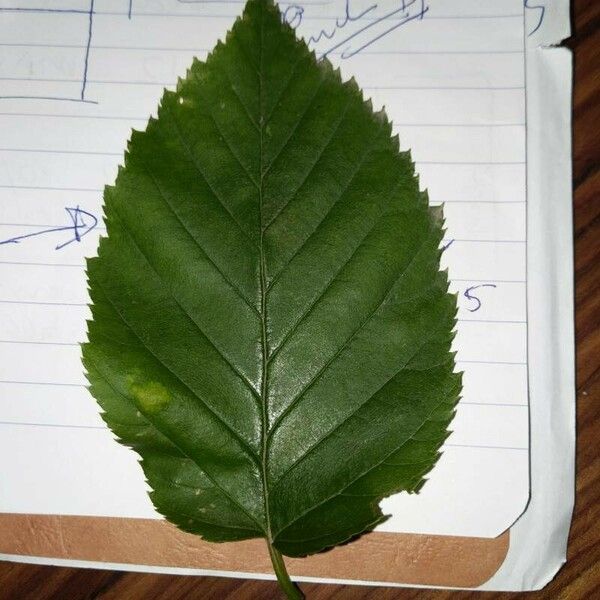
(151, 397)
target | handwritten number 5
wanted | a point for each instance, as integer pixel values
(473, 298)
(542, 12)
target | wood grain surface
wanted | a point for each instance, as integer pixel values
(580, 578)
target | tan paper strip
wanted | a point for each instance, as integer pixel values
(386, 557)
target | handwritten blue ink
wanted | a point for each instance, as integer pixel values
(294, 15)
(469, 296)
(542, 12)
(90, 14)
(79, 227)
(340, 23)
(447, 245)
(406, 18)
(87, 49)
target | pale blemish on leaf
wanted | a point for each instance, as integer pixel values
(151, 397)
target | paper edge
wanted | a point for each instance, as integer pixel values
(539, 537)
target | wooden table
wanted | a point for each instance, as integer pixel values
(580, 578)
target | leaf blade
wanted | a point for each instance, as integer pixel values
(270, 326)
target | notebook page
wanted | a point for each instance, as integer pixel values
(77, 75)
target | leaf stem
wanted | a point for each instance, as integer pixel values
(291, 590)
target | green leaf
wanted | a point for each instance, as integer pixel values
(271, 331)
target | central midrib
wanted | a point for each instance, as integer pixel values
(263, 295)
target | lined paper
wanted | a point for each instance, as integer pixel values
(77, 75)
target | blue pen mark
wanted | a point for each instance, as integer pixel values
(470, 296)
(447, 245)
(90, 12)
(294, 14)
(406, 17)
(87, 49)
(78, 226)
(409, 10)
(542, 13)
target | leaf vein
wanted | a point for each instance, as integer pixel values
(241, 102)
(372, 467)
(284, 89)
(322, 294)
(183, 452)
(165, 200)
(313, 166)
(263, 305)
(246, 56)
(367, 527)
(297, 125)
(326, 215)
(367, 319)
(200, 172)
(233, 432)
(314, 303)
(211, 114)
(186, 312)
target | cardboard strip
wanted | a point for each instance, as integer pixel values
(384, 557)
